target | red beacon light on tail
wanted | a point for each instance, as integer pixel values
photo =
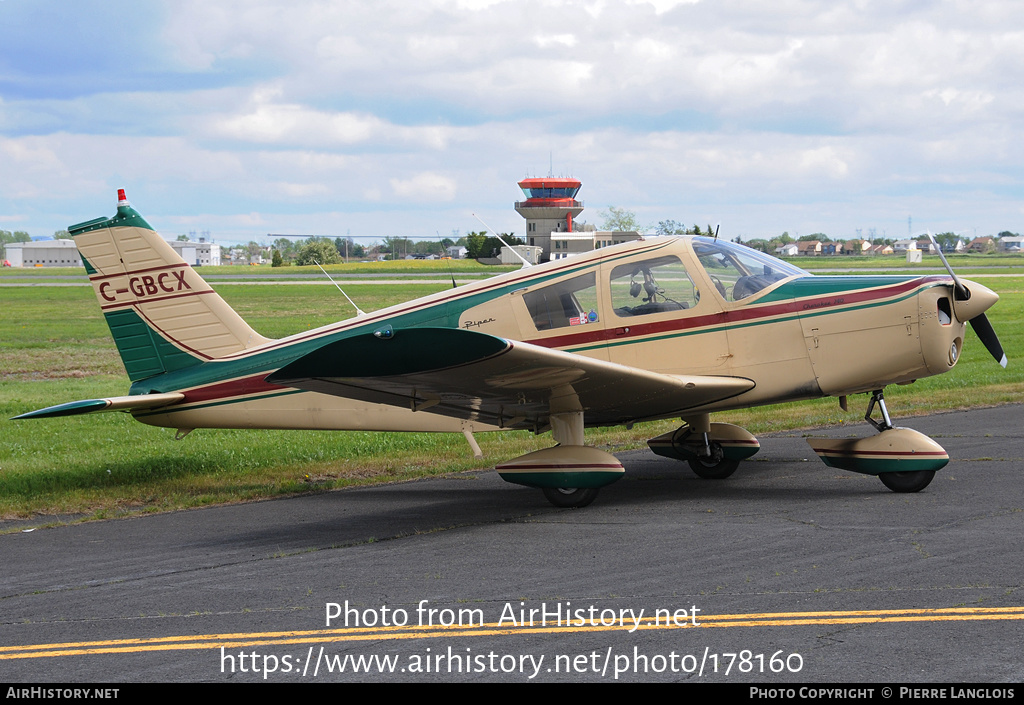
(122, 200)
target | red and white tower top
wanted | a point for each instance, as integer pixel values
(549, 200)
(550, 191)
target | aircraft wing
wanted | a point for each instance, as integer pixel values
(87, 406)
(471, 375)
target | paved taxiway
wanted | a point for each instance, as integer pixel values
(785, 558)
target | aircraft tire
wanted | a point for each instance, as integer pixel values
(907, 481)
(717, 467)
(570, 497)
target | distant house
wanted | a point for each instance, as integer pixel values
(809, 248)
(1012, 243)
(457, 252)
(881, 250)
(790, 249)
(904, 245)
(982, 244)
(856, 247)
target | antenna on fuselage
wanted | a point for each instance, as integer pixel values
(359, 311)
(454, 285)
(717, 226)
(524, 260)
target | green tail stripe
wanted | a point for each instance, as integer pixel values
(126, 216)
(144, 352)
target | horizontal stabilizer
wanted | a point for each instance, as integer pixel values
(88, 406)
(475, 376)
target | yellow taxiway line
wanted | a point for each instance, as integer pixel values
(766, 619)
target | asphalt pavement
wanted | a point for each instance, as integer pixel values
(787, 572)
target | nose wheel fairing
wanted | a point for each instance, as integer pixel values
(904, 460)
(892, 450)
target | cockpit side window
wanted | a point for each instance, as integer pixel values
(651, 286)
(739, 272)
(572, 302)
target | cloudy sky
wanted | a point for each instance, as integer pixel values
(402, 118)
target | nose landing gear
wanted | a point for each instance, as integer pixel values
(904, 460)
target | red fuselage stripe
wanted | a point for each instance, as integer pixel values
(255, 384)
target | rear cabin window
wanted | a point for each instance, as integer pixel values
(572, 302)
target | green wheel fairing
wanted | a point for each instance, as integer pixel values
(555, 480)
(735, 442)
(735, 452)
(892, 450)
(563, 467)
(879, 466)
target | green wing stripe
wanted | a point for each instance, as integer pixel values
(404, 351)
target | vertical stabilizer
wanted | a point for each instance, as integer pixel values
(163, 316)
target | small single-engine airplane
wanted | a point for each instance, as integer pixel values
(658, 328)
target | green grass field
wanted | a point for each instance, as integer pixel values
(55, 347)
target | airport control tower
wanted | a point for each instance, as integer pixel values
(549, 209)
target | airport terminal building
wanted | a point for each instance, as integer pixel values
(44, 253)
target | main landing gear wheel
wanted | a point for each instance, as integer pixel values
(570, 497)
(717, 467)
(907, 481)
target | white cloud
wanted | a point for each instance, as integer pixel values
(291, 124)
(663, 106)
(555, 40)
(426, 186)
(662, 6)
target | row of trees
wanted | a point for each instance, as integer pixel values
(622, 220)
(947, 241)
(333, 251)
(7, 237)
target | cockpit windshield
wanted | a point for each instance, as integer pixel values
(737, 271)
